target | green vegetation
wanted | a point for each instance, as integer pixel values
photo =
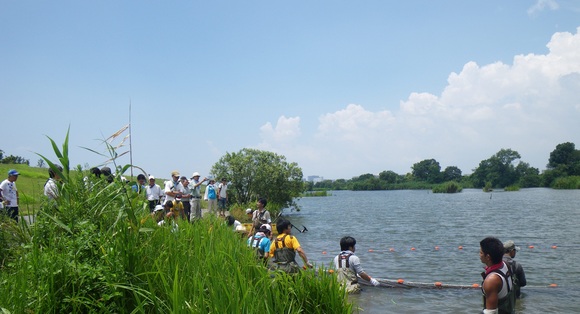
(502, 170)
(254, 173)
(97, 250)
(448, 187)
(512, 188)
(572, 182)
(315, 193)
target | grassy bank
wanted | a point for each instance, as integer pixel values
(97, 250)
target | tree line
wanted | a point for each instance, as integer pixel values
(502, 170)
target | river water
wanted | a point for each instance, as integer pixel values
(388, 224)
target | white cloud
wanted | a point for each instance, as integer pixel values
(529, 106)
(541, 5)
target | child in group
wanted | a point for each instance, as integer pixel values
(348, 266)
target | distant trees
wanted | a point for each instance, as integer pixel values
(13, 159)
(504, 169)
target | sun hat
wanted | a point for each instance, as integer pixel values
(248, 211)
(13, 172)
(509, 245)
(266, 227)
(158, 208)
(151, 178)
(175, 173)
(195, 174)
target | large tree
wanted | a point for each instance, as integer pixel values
(499, 170)
(452, 173)
(255, 173)
(427, 170)
(565, 158)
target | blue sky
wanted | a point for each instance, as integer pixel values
(342, 88)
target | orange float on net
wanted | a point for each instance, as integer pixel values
(531, 246)
(331, 271)
(460, 247)
(438, 284)
(554, 247)
(392, 250)
(371, 250)
(553, 285)
(323, 252)
(412, 249)
(400, 281)
(475, 285)
(436, 248)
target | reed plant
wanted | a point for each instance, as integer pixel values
(97, 250)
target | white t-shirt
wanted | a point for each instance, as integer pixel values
(223, 190)
(9, 192)
(50, 189)
(153, 193)
(169, 187)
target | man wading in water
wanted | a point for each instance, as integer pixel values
(284, 249)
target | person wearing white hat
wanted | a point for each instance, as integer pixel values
(153, 193)
(261, 242)
(195, 186)
(515, 267)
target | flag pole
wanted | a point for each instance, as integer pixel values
(130, 141)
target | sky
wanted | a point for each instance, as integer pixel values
(342, 88)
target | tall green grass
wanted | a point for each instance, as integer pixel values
(571, 182)
(96, 250)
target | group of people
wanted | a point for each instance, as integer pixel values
(184, 194)
(181, 197)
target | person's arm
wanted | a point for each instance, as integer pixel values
(491, 287)
(304, 257)
(521, 275)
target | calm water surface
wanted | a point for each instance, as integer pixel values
(390, 223)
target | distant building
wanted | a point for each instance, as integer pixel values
(314, 179)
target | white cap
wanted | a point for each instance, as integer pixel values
(248, 211)
(151, 178)
(158, 208)
(195, 174)
(266, 226)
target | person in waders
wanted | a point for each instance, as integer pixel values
(497, 287)
(348, 267)
(284, 249)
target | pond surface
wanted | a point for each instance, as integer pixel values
(542, 222)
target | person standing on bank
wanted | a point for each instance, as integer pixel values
(171, 187)
(210, 196)
(154, 193)
(9, 195)
(261, 215)
(348, 267)
(185, 190)
(497, 287)
(195, 186)
(223, 197)
(51, 187)
(515, 267)
(284, 249)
